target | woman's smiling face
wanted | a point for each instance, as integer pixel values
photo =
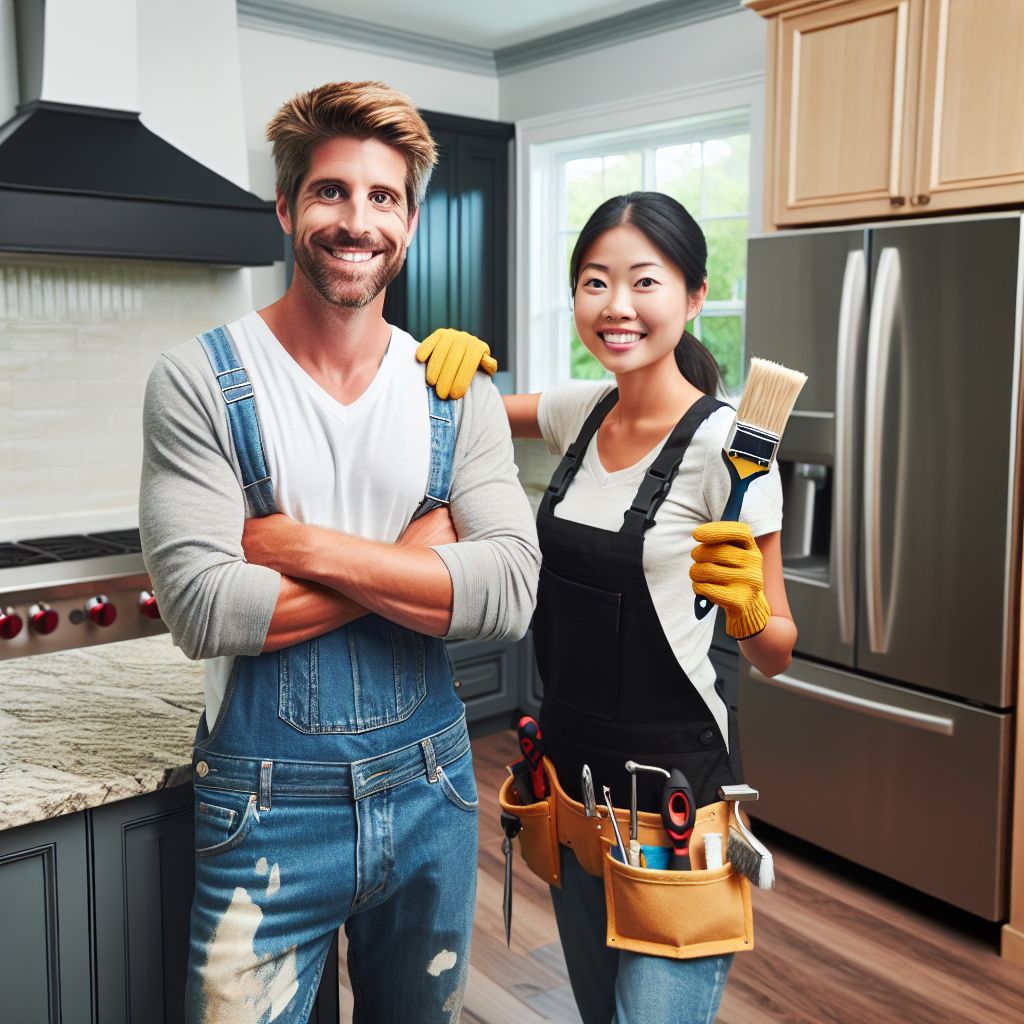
(632, 303)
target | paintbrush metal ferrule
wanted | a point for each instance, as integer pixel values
(751, 443)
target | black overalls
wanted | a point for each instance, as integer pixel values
(613, 688)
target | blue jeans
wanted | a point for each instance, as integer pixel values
(618, 987)
(336, 788)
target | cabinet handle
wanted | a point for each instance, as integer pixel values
(458, 683)
(897, 200)
(921, 200)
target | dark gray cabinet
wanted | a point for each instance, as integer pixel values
(94, 928)
(45, 969)
(457, 270)
(487, 675)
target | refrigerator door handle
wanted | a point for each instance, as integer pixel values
(851, 308)
(881, 329)
(893, 713)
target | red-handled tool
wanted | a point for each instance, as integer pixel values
(532, 746)
(678, 814)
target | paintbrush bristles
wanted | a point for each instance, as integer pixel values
(769, 396)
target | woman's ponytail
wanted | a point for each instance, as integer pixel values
(698, 365)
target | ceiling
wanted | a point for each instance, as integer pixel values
(489, 25)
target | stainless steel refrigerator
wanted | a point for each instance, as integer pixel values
(888, 740)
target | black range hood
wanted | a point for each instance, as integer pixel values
(83, 181)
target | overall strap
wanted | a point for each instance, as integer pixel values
(657, 481)
(240, 400)
(573, 458)
(444, 415)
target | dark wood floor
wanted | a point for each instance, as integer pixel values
(835, 945)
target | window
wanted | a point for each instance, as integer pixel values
(704, 162)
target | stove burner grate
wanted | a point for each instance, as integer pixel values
(128, 540)
(14, 555)
(72, 547)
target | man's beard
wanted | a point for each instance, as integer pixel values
(325, 274)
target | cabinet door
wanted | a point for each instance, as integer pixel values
(971, 144)
(843, 102)
(143, 894)
(44, 923)
(456, 270)
(487, 679)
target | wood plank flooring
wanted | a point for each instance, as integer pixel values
(835, 945)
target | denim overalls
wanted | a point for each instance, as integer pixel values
(335, 788)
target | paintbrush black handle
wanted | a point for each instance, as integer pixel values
(730, 514)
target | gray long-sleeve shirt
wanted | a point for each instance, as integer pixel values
(191, 514)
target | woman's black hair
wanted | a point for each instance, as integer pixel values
(667, 225)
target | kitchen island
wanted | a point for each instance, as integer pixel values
(96, 835)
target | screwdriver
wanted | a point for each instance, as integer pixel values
(532, 746)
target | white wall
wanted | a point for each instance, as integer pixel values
(723, 48)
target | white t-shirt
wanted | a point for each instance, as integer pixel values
(326, 458)
(698, 495)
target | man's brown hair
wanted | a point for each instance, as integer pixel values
(361, 110)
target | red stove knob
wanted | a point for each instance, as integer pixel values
(10, 624)
(43, 618)
(148, 605)
(100, 610)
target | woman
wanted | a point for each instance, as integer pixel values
(623, 658)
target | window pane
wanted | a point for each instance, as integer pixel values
(723, 335)
(584, 189)
(622, 173)
(726, 175)
(727, 258)
(589, 182)
(677, 173)
(583, 366)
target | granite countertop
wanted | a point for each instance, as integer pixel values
(86, 727)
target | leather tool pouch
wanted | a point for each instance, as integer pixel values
(538, 838)
(676, 914)
(680, 914)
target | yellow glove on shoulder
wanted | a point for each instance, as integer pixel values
(452, 357)
(728, 570)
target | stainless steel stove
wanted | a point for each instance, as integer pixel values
(58, 593)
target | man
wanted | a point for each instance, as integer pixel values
(333, 777)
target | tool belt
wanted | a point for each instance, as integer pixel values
(676, 914)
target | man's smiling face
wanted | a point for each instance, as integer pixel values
(351, 223)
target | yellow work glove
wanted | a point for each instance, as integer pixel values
(452, 357)
(727, 569)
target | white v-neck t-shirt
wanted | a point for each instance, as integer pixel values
(326, 458)
(360, 468)
(698, 495)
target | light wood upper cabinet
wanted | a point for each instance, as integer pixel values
(970, 148)
(882, 108)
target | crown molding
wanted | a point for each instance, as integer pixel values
(283, 16)
(293, 19)
(619, 28)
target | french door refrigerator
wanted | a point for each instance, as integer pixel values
(888, 739)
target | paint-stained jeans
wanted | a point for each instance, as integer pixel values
(288, 851)
(616, 986)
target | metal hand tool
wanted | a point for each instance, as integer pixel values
(510, 825)
(587, 784)
(634, 845)
(615, 824)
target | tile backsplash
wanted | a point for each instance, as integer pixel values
(77, 341)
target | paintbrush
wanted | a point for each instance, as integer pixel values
(753, 440)
(748, 854)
